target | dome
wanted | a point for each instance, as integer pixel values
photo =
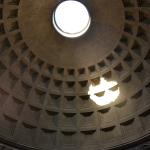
(45, 78)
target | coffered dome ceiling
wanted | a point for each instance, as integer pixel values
(45, 77)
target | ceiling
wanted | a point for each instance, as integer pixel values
(45, 78)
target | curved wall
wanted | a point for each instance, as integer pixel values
(45, 106)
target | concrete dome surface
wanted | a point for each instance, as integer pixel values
(45, 77)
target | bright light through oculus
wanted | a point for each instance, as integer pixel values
(71, 19)
(105, 92)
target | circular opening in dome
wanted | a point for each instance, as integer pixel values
(71, 19)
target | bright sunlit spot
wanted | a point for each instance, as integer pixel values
(105, 92)
(71, 19)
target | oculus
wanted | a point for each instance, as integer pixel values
(71, 19)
